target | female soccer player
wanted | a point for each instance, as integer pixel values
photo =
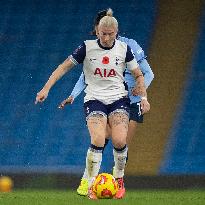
(106, 98)
(138, 105)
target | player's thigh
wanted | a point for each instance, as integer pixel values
(97, 128)
(108, 131)
(132, 131)
(96, 117)
(119, 127)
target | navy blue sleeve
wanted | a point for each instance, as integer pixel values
(79, 53)
(129, 55)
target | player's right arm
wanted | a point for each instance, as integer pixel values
(77, 57)
(55, 76)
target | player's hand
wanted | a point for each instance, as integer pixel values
(139, 90)
(69, 100)
(41, 96)
(145, 105)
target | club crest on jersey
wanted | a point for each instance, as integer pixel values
(105, 72)
(117, 61)
(105, 60)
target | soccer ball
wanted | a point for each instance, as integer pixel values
(105, 186)
(6, 184)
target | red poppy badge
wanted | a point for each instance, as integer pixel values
(105, 60)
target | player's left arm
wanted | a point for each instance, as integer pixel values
(142, 61)
(133, 66)
(139, 88)
(147, 72)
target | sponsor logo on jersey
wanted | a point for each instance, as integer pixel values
(105, 72)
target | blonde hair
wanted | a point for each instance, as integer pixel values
(109, 12)
(109, 20)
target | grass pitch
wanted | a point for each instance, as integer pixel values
(52, 197)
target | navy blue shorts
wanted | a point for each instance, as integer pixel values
(136, 112)
(93, 107)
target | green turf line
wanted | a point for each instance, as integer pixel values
(32, 197)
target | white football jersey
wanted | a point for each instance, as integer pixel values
(104, 71)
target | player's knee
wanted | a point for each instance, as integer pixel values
(98, 140)
(120, 143)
